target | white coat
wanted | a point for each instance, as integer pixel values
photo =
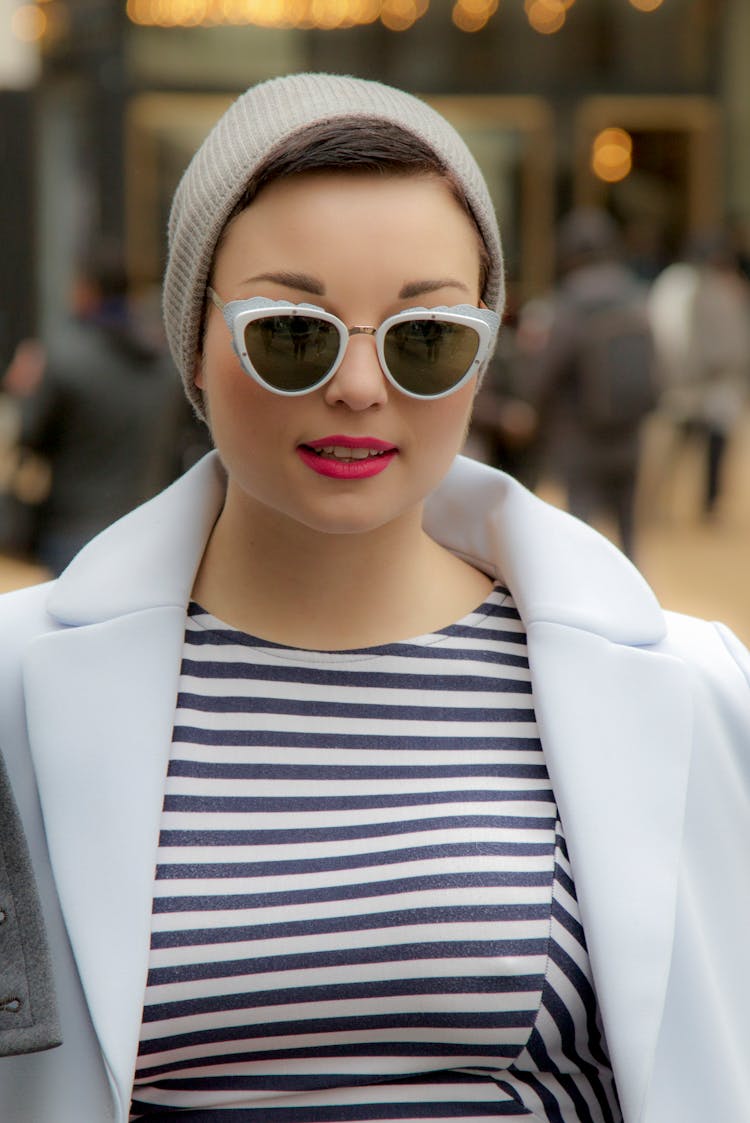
(645, 722)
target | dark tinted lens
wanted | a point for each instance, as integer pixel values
(428, 357)
(291, 352)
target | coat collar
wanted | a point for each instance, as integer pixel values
(149, 558)
(101, 695)
(557, 568)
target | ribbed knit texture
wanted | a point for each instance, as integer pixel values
(253, 126)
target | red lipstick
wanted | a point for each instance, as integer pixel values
(342, 457)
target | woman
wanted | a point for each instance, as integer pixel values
(448, 819)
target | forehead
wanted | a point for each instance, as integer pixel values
(315, 187)
(342, 214)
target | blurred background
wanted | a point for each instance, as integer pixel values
(636, 109)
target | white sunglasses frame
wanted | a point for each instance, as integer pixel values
(239, 313)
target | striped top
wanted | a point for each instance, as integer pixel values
(363, 905)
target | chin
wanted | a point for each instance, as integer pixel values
(349, 523)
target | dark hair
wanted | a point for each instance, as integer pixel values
(357, 145)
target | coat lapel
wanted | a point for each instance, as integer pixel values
(101, 704)
(616, 724)
(101, 695)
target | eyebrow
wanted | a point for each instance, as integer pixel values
(302, 281)
(419, 288)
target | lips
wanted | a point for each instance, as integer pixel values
(344, 452)
(344, 457)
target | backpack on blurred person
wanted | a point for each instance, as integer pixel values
(615, 365)
(613, 357)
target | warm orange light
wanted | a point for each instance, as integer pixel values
(483, 8)
(364, 11)
(209, 13)
(28, 23)
(613, 136)
(328, 14)
(188, 13)
(227, 11)
(467, 21)
(546, 16)
(399, 15)
(647, 5)
(472, 15)
(612, 155)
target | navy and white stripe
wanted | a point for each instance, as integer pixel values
(363, 907)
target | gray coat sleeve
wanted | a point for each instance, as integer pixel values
(28, 1009)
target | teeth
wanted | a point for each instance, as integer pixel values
(343, 452)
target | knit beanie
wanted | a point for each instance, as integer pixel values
(253, 127)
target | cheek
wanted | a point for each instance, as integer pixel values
(253, 430)
(441, 430)
(238, 418)
(220, 378)
(227, 397)
(452, 417)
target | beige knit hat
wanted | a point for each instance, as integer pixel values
(254, 126)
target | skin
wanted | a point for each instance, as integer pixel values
(296, 557)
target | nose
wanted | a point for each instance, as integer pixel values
(359, 382)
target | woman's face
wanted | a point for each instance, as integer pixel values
(363, 247)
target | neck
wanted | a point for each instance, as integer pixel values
(281, 581)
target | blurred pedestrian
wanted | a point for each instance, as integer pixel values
(24, 474)
(700, 312)
(363, 784)
(587, 354)
(103, 416)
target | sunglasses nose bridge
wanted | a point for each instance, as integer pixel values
(358, 329)
(358, 377)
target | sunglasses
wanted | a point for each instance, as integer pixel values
(296, 348)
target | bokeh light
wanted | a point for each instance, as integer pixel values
(546, 16)
(472, 15)
(612, 155)
(28, 23)
(396, 15)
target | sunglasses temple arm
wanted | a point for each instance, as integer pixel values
(215, 298)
